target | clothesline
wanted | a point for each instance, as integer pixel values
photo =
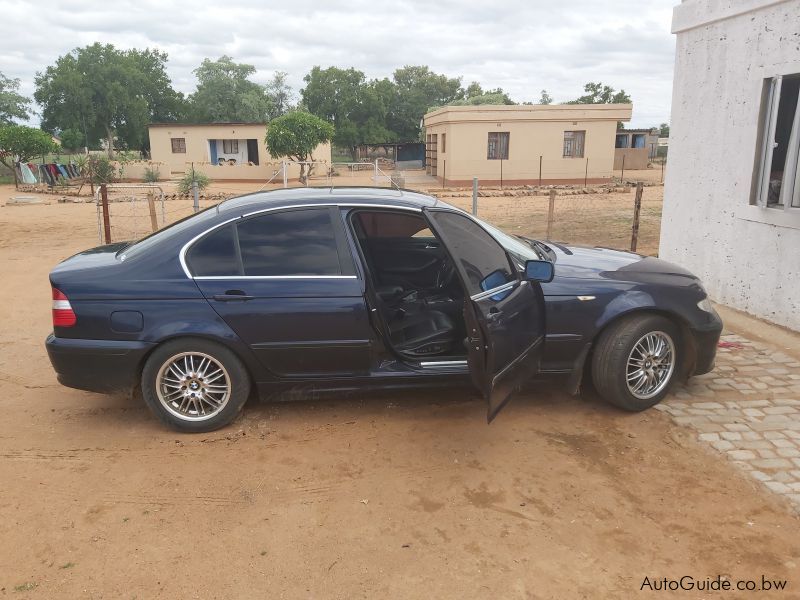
(49, 173)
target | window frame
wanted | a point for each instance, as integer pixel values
(234, 145)
(767, 132)
(181, 145)
(345, 257)
(498, 147)
(573, 143)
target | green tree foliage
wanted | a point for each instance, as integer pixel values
(71, 139)
(225, 93)
(545, 98)
(597, 93)
(417, 88)
(355, 106)
(295, 135)
(13, 105)
(19, 143)
(280, 94)
(663, 130)
(107, 93)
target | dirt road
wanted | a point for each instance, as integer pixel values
(407, 495)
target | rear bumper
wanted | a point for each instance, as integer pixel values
(96, 365)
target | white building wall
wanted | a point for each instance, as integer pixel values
(748, 257)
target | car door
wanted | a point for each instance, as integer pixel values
(504, 313)
(284, 281)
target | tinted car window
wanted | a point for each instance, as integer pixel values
(215, 254)
(298, 242)
(481, 258)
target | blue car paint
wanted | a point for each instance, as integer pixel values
(150, 279)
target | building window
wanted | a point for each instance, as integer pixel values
(178, 145)
(230, 146)
(444, 142)
(622, 141)
(573, 144)
(498, 145)
(638, 140)
(777, 176)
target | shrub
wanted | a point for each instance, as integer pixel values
(152, 174)
(102, 170)
(185, 184)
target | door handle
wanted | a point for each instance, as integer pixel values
(233, 296)
(494, 314)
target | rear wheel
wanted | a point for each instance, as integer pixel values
(194, 385)
(635, 361)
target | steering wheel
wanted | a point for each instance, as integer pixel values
(445, 275)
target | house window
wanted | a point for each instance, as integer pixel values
(638, 140)
(178, 145)
(444, 142)
(777, 176)
(230, 146)
(622, 141)
(573, 144)
(497, 148)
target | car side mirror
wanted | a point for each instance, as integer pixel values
(539, 270)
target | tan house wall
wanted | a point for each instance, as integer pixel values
(635, 158)
(197, 153)
(534, 132)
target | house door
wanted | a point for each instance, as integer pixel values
(252, 151)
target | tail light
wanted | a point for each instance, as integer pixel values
(63, 315)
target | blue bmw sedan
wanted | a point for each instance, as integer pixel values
(348, 288)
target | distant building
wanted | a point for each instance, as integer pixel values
(226, 151)
(554, 144)
(732, 190)
(636, 147)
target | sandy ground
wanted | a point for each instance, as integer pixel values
(397, 495)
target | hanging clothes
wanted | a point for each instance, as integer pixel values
(63, 171)
(27, 175)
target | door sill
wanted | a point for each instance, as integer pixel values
(443, 364)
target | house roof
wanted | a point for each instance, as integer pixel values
(529, 112)
(223, 124)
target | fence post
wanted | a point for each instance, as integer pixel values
(151, 204)
(551, 214)
(285, 176)
(662, 169)
(501, 173)
(475, 196)
(586, 173)
(106, 216)
(637, 207)
(375, 176)
(196, 195)
(444, 172)
(540, 170)
(622, 177)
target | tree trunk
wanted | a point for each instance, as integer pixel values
(14, 170)
(110, 142)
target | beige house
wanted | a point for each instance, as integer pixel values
(223, 151)
(635, 148)
(528, 144)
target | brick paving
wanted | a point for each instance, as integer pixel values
(747, 409)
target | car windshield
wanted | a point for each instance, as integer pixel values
(519, 250)
(173, 229)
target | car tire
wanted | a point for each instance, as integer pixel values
(194, 385)
(629, 362)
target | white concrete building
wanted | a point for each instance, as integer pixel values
(732, 195)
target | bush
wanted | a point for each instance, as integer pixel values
(152, 174)
(185, 184)
(102, 169)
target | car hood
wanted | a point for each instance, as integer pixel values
(582, 262)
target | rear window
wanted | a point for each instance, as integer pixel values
(215, 254)
(175, 228)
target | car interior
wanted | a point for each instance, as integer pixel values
(413, 284)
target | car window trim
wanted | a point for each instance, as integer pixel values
(187, 245)
(500, 288)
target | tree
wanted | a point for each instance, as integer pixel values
(107, 93)
(663, 130)
(597, 93)
(545, 98)
(417, 89)
(19, 143)
(280, 95)
(355, 106)
(225, 93)
(295, 135)
(13, 105)
(71, 139)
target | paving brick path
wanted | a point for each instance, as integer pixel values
(748, 409)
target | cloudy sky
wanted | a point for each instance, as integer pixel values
(522, 46)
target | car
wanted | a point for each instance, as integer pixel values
(352, 288)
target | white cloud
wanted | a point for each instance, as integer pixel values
(521, 46)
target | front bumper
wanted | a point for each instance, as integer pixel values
(96, 365)
(706, 339)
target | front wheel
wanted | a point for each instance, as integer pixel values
(194, 385)
(635, 361)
